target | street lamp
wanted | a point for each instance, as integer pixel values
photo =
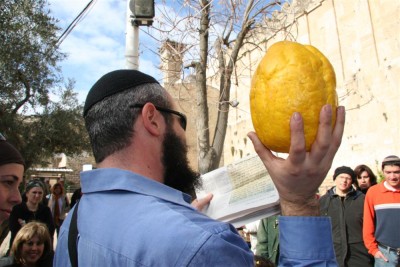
(143, 12)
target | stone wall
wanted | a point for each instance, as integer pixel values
(361, 38)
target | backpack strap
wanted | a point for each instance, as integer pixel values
(72, 238)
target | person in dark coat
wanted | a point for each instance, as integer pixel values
(345, 206)
(31, 210)
(75, 197)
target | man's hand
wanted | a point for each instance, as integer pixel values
(298, 177)
(199, 204)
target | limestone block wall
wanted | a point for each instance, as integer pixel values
(361, 38)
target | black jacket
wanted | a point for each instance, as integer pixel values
(347, 220)
(21, 211)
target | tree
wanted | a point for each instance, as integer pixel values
(228, 25)
(29, 75)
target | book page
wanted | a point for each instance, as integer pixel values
(240, 189)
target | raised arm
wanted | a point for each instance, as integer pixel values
(298, 177)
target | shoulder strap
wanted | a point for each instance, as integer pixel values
(72, 238)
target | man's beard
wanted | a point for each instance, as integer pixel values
(178, 174)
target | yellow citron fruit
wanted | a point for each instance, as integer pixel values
(290, 78)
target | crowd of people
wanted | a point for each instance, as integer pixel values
(29, 218)
(359, 219)
(143, 181)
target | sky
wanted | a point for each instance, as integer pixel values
(97, 44)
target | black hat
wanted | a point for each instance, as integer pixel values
(8, 153)
(391, 160)
(347, 170)
(115, 82)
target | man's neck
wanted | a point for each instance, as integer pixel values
(391, 188)
(144, 165)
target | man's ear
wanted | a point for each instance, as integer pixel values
(153, 121)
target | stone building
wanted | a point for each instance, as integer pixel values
(171, 56)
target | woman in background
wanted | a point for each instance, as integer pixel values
(365, 178)
(31, 248)
(58, 204)
(31, 210)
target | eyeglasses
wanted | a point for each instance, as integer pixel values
(182, 117)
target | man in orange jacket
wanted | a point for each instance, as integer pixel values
(382, 215)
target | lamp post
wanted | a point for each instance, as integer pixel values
(139, 13)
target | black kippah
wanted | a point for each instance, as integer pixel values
(115, 82)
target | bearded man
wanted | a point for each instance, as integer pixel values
(136, 206)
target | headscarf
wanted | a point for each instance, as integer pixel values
(8, 153)
(34, 183)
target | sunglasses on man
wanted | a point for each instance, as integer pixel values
(182, 117)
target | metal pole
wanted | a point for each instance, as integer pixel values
(136, 46)
(131, 42)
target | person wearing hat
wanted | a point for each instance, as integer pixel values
(345, 206)
(31, 210)
(136, 209)
(11, 174)
(382, 216)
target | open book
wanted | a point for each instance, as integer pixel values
(243, 192)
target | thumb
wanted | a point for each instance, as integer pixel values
(199, 204)
(264, 153)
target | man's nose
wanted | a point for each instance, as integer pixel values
(391, 175)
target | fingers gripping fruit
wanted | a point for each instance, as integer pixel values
(290, 78)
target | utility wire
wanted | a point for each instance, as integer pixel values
(75, 22)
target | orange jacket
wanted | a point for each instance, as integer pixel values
(381, 218)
